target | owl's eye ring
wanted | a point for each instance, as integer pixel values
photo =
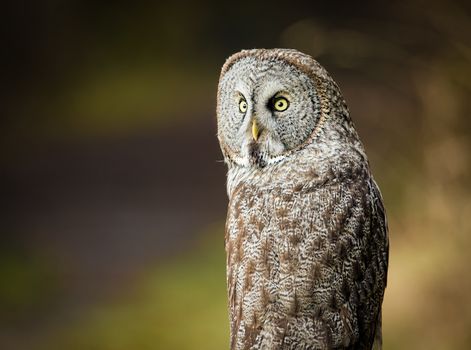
(243, 106)
(280, 104)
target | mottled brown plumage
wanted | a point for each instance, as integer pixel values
(306, 234)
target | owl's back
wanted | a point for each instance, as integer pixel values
(306, 256)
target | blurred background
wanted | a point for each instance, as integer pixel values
(112, 187)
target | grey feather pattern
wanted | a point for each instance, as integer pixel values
(306, 233)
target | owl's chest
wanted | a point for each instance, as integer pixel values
(272, 225)
(283, 230)
(253, 211)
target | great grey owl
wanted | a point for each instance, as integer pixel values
(306, 233)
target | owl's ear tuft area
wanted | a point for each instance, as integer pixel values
(231, 60)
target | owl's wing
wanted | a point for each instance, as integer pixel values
(364, 267)
(381, 223)
(350, 261)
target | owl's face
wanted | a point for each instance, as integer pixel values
(267, 107)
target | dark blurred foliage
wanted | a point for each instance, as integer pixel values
(113, 196)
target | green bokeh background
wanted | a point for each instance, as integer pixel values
(113, 196)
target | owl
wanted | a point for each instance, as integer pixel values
(306, 234)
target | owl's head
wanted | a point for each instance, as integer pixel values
(272, 103)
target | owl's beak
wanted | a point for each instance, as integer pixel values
(255, 130)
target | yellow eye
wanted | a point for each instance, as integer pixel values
(243, 106)
(280, 104)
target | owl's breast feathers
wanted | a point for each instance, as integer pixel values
(306, 260)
